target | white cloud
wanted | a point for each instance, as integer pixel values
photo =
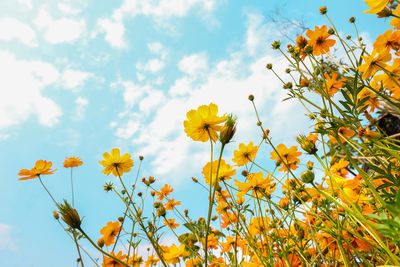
(21, 86)
(73, 79)
(160, 11)
(153, 65)
(26, 3)
(67, 9)
(81, 104)
(194, 64)
(12, 29)
(114, 30)
(62, 30)
(6, 240)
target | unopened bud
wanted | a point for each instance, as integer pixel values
(56, 215)
(352, 19)
(152, 193)
(245, 173)
(140, 194)
(307, 176)
(195, 180)
(100, 242)
(269, 66)
(161, 211)
(141, 157)
(276, 45)
(306, 144)
(69, 215)
(251, 97)
(228, 130)
(322, 10)
(151, 179)
(108, 187)
(121, 219)
(214, 218)
(331, 31)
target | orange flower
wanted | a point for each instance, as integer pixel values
(116, 164)
(109, 232)
(395, 21)
(342, 131)
(203, 123)
(170, 204)
(212, 241)
(165, 191)
(171, 223)
(42, 167)
(388, 39)
(319, 40)
(372, 101)
(72, 162)
(110, 262)
(374, 62)
(245, 154)
(332, 85)
(289, 157)
(151, 260)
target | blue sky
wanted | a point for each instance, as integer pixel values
(78, 78)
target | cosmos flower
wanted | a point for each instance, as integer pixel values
(42, 167)
(116, 164)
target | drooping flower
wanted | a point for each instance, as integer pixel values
(42, 167)
(287, 156)
(170, 204)
(110, 262)
(72, 162)
(375, 62)
(376, 6)
(319, 40)
(151, 260)
(345, 132)
(116, 164)
(109, 232)
(203, 123)
(225, 171)
(257, 184)
(171, 223)
(245, 154)
(333, 85)
(165, 191)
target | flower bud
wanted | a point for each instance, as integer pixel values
(352, 19)
(251, 97)
(310, 165)
(56, 215)
(152, 193)
(288, 85)
(161, 212)
(269, 66)
(100, 242)
(108, 187)
(228, 130)
(214, 218)
(245, 173)
(331, 31)
(151, 179)
(121, 219)
(195, 180)
(322, 10)
(157, 204)
(284, 203)
(141, 157)
(306, 144)
(307, 176)
(69, 215)
(276, 45)
(139, 194)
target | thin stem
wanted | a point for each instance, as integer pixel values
(72, 190)
(77, 246)
(48, 192)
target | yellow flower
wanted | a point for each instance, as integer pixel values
(225, 171)
(245, 154)
(170, 204)
(165, 191)
(256, 183)
(203, 123)
(319, 40)
(374, 62)
(173, 253)
(72, 162)
(109, 232)
(116, 164)
(42, 167)
(376, 6)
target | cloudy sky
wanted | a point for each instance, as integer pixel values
(78, 78)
